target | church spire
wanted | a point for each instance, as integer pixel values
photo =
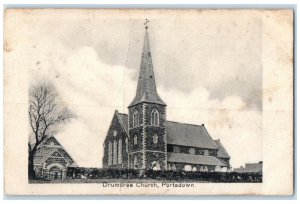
(146, 89)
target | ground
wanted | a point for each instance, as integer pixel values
(114, 181)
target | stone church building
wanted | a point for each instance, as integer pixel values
(144, 139)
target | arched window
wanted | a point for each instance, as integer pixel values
(115, 157)
(192, 151)
(155, 166)
(109, 153)
(169, 166)
(194, 169)
(187, 167)
(120, 152)
(135, 118)
(126, 144)
(135, 140)
(135, 162)
(155, 139)
(154, 117)
(173, 167)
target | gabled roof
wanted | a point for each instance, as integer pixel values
(42, 153)
(189, 135)
(194, 159)
(146, 88)
(181, 134)
(45, 150)
(123, 119)
(222, 153)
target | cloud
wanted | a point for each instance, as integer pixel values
(89, 88)
(93, 89)
(201, 81)
(239, 128)
(211, 51)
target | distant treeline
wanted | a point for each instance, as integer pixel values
(223, 177)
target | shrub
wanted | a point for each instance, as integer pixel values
(180, 176)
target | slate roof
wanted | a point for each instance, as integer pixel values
(189, 135)
(123, 118)
(44, 151)
(146, 88)
(182, 134)
(194, 159)
(222, 153)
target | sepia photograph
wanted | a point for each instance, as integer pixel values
(120, 101)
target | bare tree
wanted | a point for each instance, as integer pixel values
(45, 114)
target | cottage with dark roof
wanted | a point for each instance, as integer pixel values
(144, 139)
(51, 160)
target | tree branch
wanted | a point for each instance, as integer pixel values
(44, 112)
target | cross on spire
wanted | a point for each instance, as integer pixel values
(146, 23)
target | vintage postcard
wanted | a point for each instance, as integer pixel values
(148, 102)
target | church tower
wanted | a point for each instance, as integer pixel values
(147, 117)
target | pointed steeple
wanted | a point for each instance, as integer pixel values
(146, 89)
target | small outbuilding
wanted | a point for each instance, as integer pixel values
(51, 160)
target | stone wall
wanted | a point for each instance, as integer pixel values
(115, 128)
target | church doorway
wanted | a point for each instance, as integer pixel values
(155, 166)
(55, 173)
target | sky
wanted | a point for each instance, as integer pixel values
(208, 69)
